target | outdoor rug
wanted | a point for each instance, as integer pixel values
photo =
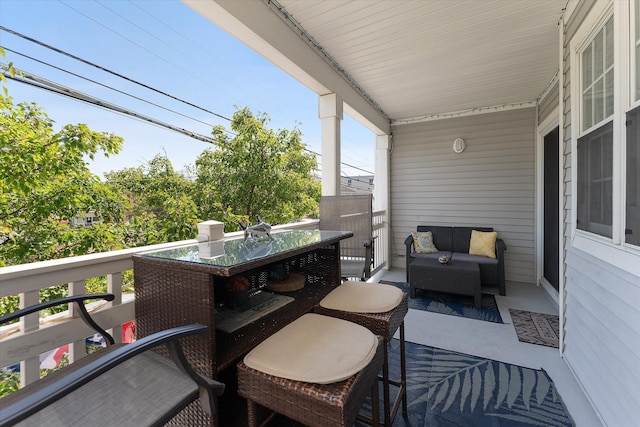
(447, 388)
(454, 305)
(536, 328)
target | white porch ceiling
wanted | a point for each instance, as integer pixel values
(413, 58)
(425, 57)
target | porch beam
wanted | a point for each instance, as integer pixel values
(258, 26)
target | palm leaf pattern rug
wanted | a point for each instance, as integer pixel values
(453, 305)
(447, 388)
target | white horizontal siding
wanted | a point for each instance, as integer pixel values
(602, 303)
(490, 184)
(549, 103)
(602, 341)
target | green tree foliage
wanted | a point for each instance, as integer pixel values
(259, 171)
(46, 182)
(162, 208)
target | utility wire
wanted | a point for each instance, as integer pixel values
(62, 90)
(84, 61)
(106, 86)
(131, 113)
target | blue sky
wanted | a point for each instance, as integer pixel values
(167, 46)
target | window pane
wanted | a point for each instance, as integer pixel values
(607, 203)
(607, 155)
(636, 43)
(598, 101)
(597, 78)
(637, 72)
(595, 154)
(587, 67)
(608, 92)
(595, 158)
(587, 110)
(632, 226)
(608, 50)
(598, 54)
(637, 19)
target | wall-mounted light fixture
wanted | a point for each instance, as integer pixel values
(458, 145)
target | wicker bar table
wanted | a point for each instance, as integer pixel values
(186, 285)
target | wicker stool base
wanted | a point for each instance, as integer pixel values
(317, 405)
(386, 325)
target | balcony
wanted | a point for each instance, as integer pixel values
(25, 342)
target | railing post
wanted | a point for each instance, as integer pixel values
(77, 349)
(114, 286)
(29, 368)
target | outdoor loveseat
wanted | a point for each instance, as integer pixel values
(455, 242)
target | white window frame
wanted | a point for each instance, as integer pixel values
(611, 250)
(631, 103)
(633, 80)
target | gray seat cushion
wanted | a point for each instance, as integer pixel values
(434, 255)
(483, 260)
(148, 385)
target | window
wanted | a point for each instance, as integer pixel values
(636, 46)
(595, 148)
(597, 78)
(632, 226)
(595, 184)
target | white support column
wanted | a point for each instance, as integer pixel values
(382, 179)
(330, 113)
(381, 191)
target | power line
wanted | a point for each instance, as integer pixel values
(84, 61)
(71, 93)
(106, 86)
(130, 112)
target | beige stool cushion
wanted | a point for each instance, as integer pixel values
(315, 349)
(359, 297)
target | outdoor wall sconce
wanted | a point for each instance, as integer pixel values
(458, 145)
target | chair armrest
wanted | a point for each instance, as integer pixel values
(500, 245)
(78, 299)
(47, 395)
(408, 242)
(368, 257)
(500, 248)
(369, 242)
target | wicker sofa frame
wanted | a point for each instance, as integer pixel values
(454, 242)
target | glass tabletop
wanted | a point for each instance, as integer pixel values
(230, 253)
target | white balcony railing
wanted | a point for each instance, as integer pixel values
(24, 342)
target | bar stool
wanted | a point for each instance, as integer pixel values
(317, 370)
(381, 309)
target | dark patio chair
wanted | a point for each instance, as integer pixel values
(123, 384)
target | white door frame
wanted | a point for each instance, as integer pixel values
(547, 125)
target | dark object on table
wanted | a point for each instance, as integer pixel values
(143, 387)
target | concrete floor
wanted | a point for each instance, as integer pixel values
(499, 341)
